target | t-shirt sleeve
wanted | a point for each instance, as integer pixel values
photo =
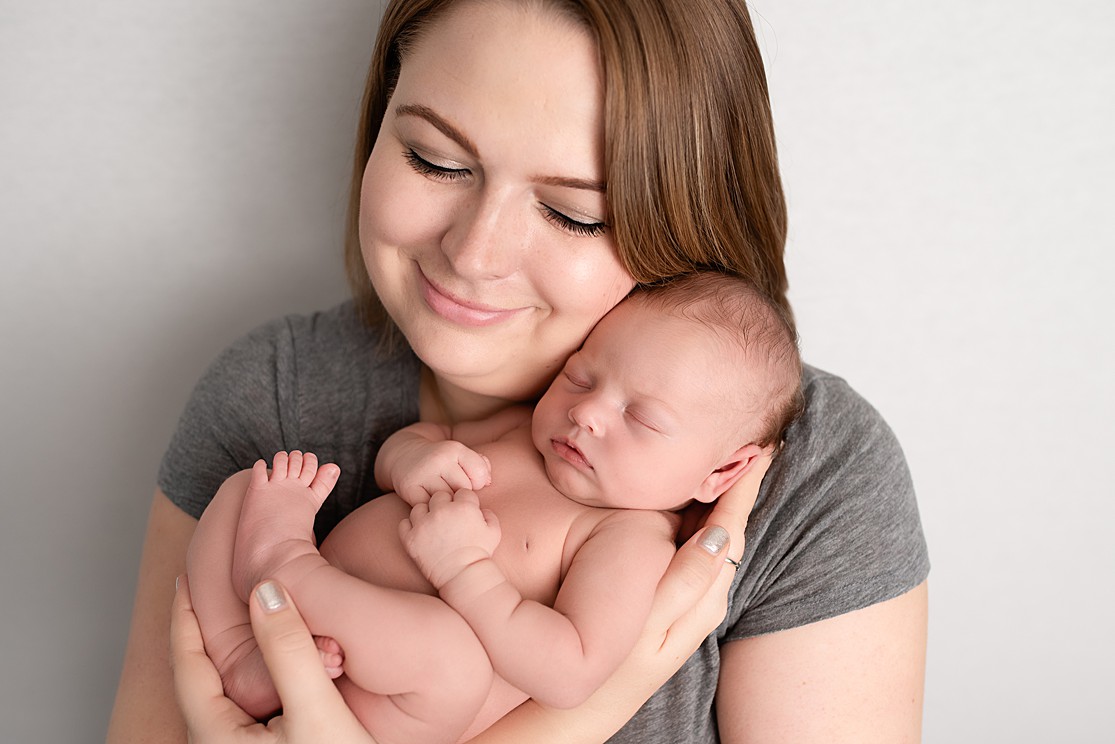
(234, 416)
(836, 526)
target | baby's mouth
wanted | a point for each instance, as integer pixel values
(568, 451)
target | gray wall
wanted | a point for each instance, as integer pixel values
(172, 174)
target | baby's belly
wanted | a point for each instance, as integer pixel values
(366, 544)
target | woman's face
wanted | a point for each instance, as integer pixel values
(482, 211)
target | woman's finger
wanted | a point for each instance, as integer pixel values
(288, 648)
(733, 508)
(692, 596)
(197, 684)
(696, 567)
(313, 709)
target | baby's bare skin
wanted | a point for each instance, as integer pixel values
(521, 554)
(542, 533)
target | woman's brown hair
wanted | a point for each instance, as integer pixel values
(691, 166)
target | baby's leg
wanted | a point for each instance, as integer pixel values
(415, 670)
(276, 524)
(221, 613)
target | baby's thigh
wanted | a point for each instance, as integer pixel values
(213, 539)
(366, 544)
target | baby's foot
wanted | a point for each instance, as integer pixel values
(332, 656)
(277, 519)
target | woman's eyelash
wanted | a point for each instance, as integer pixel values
(588, 229)
(426, 168)
(430, 170)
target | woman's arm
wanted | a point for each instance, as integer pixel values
(145, 709)
(854, 678)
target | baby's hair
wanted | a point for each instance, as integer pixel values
(755, 325)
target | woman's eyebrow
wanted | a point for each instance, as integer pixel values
(572, 183)
(428, 114)
(450, 131)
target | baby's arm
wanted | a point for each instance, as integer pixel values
(557, 655)
(421, 459)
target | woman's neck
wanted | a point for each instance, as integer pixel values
(445, 403)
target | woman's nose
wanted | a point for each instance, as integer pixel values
(483, 241)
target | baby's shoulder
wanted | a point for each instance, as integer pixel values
(628, 542)
(637, 525)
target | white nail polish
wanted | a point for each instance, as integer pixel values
(270, 596)
(714, 539)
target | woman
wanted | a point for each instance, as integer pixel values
(492, 131)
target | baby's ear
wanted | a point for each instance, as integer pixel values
(725, 476)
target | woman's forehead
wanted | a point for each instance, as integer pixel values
(497, 69)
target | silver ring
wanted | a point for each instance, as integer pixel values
(737, 564)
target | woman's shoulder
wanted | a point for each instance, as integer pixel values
(319, 381)
(841, 433)
(836, 421)
(826, 392)
(335, 332)
(330, 344)
(836, 524)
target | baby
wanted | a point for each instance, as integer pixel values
(518, 556)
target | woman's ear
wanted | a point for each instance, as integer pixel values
(725, 476)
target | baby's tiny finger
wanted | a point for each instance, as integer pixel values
(466, 496)
(478, 469)
(440, 498)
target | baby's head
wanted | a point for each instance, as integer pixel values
(672, 396)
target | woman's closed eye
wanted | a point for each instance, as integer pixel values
(432, 170)
(570, 225)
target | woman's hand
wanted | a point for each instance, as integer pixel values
(686, 608)
(313, 709)
(692, 597)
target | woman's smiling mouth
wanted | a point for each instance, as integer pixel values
(459, 311)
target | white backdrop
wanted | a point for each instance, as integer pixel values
(172, 174)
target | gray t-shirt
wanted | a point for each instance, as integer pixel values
(835, 527)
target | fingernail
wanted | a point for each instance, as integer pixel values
(270, 596)
(176, 580)
(714, 539)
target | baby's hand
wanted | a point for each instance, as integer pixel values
(421, 470)
(449, 534)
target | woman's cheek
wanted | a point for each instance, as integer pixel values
(385, 203)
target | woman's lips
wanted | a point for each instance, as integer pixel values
(461, 311)
(566, 450)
